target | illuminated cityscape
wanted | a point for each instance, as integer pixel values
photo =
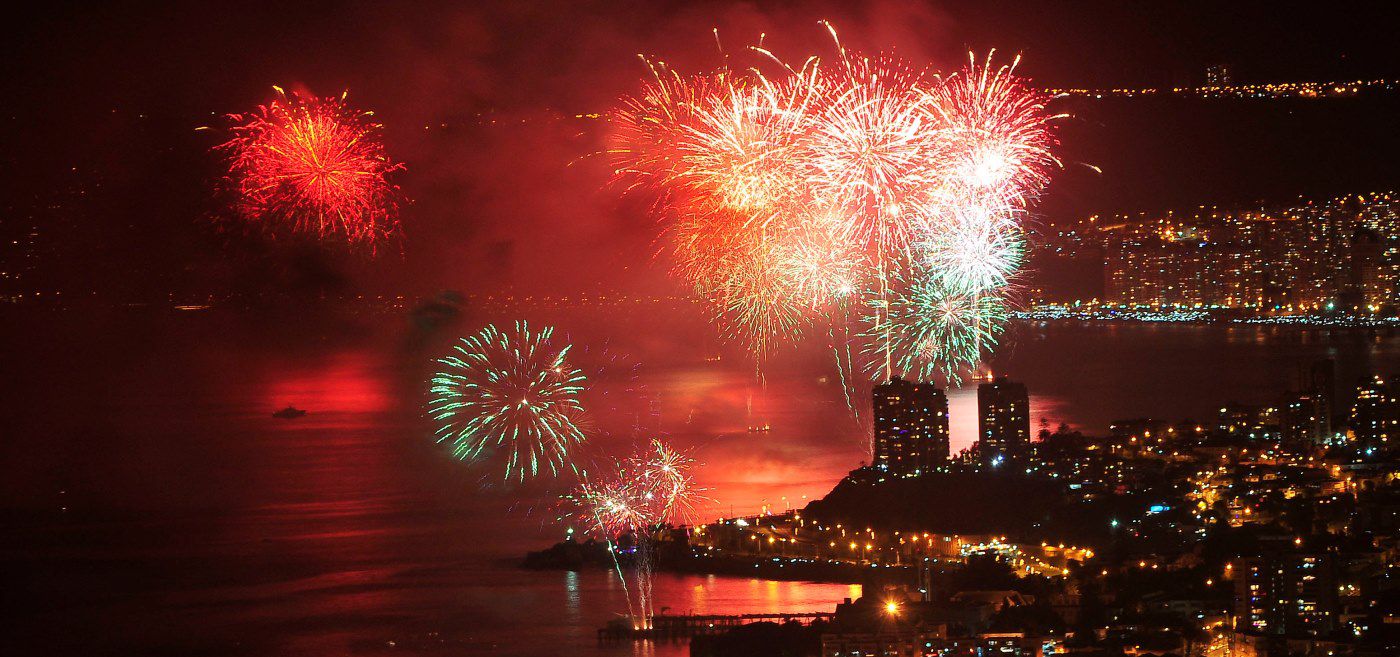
(1218, 85)
(1228, 538)
(1341, 255)
(649, 328)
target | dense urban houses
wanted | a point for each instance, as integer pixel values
(1272, 531)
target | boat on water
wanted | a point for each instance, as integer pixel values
(289, 413)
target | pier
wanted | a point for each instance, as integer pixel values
(687, 625)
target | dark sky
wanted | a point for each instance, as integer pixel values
(508, 54)
(100, 104)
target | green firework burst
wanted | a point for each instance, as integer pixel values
(509, 393)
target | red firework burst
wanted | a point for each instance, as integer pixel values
(312, 166)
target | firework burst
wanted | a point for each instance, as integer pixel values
(509, 392)
(976, 251)
(934, 331)
(872, 148)
(863, 183)
(998, 130)
(314, 166)
(651, 489)
(743, 147)
(821, 261)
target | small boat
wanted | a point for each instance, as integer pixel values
(289, 413)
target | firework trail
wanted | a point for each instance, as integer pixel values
(312, 166)
(874, 150)
(643, 494)
(743, 147)
(999, 126)
(617, 401)
(821, 261)
(862, 190)
(513, 393)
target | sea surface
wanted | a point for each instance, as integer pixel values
(152, 504)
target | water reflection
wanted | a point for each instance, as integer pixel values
(198, 523)
(571, 597)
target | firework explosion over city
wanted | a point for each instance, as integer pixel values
(860, 200)
(856, 199)
(866, 201)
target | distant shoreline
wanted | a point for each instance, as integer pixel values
(420, 303)
(1202, 317)
(581, 556)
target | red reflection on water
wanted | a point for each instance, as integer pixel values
(343, 382)
(755, 445)
(332, 482)
(720, 595)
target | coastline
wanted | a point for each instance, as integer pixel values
(574, 556)
(1143, 315)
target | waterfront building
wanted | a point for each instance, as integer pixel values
(911, 427)
(1319, 257)
(1368, 289)
(1218, 75)
(1003, 420)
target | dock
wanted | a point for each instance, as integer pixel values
(677, 626)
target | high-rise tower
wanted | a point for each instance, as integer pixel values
(911, 427)
(1003, 419)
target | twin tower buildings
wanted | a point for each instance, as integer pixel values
(911, 425)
